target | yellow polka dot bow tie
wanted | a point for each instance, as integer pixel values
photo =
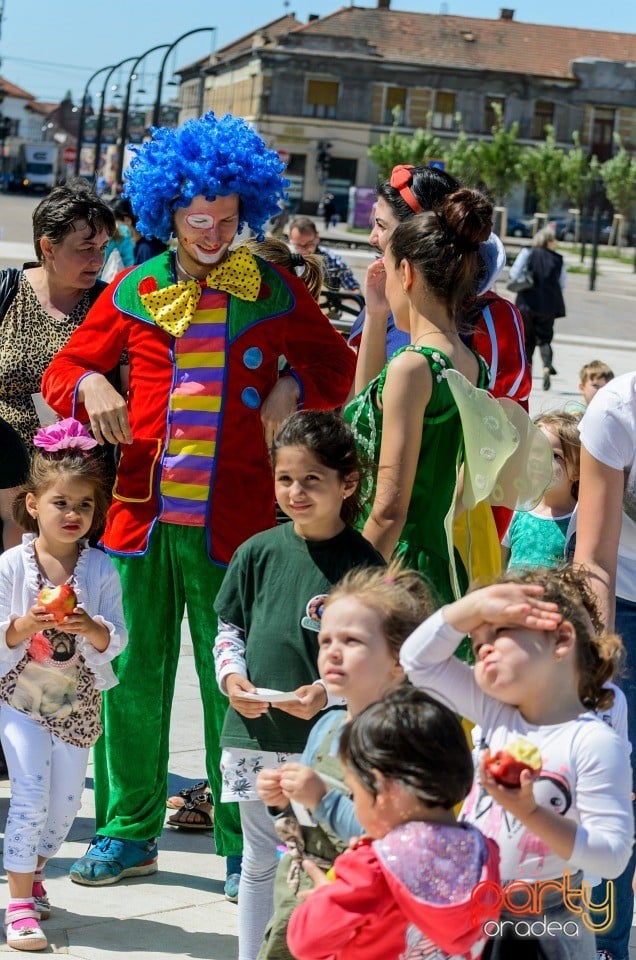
(173, 307)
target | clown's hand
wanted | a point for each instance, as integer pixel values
(281, 403)
(106, 409)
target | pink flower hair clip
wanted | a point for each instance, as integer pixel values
(66, 434)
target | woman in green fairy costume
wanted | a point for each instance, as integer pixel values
(404, 416)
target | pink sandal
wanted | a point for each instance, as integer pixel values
(23, 929)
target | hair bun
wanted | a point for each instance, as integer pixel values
(468, 215)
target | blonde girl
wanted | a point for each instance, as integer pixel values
(365, 621)
(537, 538)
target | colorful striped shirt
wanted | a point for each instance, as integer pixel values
(194, 414)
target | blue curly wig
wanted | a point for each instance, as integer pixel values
(207, 157)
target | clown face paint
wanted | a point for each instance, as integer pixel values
(205, 229)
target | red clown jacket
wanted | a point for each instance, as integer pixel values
(283, 321)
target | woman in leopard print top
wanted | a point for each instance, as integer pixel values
(48, 300)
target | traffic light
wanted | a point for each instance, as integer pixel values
(323, 159)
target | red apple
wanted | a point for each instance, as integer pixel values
(58, 601)
(507, 765)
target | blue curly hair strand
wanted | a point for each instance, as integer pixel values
(207, 157)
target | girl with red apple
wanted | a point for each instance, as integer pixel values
(542, 667)
(61, 622)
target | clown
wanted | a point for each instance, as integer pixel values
(204, 327)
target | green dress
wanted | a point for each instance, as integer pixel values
(423, 544)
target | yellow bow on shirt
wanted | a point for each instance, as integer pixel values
(173, 307)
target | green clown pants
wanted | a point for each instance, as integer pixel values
(131, 758)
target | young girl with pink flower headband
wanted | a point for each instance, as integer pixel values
(54, 662)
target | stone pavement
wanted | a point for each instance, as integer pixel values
(181, 912)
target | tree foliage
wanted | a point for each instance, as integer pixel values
(394, 148)
(543, 170)
(619, 177)
(498, 159)
(579, 171)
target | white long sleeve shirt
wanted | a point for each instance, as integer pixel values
(98, 592)
(585, 776)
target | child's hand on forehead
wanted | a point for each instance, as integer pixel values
(504, 604)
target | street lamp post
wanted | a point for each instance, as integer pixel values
(124, 118)
(82, 117)
(156, 115)
(100, 117)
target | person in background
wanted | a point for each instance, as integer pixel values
(542, 303)
(204, 327)
(592, 377)
(328, 204)
(536, 538)
(145, 248)
(304, 238)
(42, 304)
(120, 252)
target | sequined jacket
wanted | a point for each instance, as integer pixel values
(408, 895)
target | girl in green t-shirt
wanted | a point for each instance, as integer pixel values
(266, 651)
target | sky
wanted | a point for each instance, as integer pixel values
(48, 48)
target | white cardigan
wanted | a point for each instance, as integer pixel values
(98, 592)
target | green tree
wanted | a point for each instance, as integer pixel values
(424, 146)
(543, 169)
(392, 148)
(579, 170)
(497, 160)
(461, 160)
(395, 147)
(619, 177)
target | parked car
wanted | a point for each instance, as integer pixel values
(565, 229)
(519, 228)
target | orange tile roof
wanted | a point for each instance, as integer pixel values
(11, 90)
(440, 40)
(273, 30)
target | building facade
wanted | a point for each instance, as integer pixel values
(324, 91)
